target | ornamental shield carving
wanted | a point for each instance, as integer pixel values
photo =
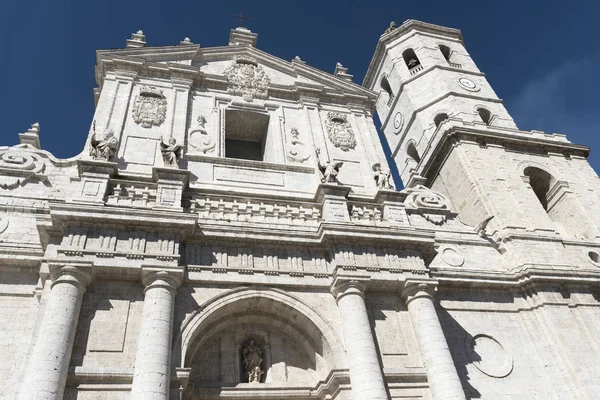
(149, 107)
(340, 131)
(247, 79)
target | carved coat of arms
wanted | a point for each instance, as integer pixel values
(150, 107)
(247, 79)
(340, 131)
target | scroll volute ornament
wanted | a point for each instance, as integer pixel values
(340, 131)
(150, 107)
(433, 206)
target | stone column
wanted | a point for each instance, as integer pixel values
(365, 373)
(152, 374)
(443, 379)
(46, 373)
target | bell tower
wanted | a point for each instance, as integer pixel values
(448, 130)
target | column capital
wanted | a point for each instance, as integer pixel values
(167, 277)
(348, 284)
(79, 274)
(417, 289)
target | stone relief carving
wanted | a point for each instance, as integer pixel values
(489, 356)
(105, 148)
(252, 359)
(19, 166)
(329, 170)
(431, 205)
(149, 107)
(296, 150)
(198, 137)
(171, 152)
(247, 79)
(340, 131)
(382, 179)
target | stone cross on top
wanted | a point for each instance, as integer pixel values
(242, 18)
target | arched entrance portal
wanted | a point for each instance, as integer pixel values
(224, 342)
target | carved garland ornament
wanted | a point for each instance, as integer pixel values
(247, 79)
(150, 107)
(340, 131)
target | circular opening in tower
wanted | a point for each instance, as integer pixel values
(594, 257)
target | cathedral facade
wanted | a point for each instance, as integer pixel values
(231, 231)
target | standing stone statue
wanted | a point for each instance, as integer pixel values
(252, 359)
(329, 170)
(382, 179)
(171, 152)
(105, 148)
(391, 28)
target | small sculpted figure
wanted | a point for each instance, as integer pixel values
(252, 355)
(105, 148)
(171, 152)
(382, 179)
(392, 27)
(329, 170)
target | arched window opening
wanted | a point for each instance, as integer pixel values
(445, 51)
(385, 85)
(541, 182)
(412, 153)
(440, 118)
(412, 61)
(485, 115)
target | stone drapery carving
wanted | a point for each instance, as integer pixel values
(247, 79)
(296, 150)
(198, 137)
(105, 148)
(340, 131)
(382, 179)
(329, 170)
(18, 166)
(252, 360)
(171, 152)
(149, 107)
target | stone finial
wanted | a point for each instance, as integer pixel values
(186, 40)
(138, 39)
(342, 72)
(298, 59)
(242, 36)
(31, 137)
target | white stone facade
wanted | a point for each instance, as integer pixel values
(226, 223)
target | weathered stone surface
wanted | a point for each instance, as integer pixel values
(145, 274)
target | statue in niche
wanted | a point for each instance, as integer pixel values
(171, 152)
(252, 359)
(105, 148)
(329, 170)
(382, 179)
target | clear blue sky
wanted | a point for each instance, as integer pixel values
(541, 57)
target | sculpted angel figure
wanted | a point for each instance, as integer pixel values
(105, 148)
(252, 355)
(382, 179)
(329, 170)
(171, 152)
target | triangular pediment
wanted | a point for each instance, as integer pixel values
(212, 62)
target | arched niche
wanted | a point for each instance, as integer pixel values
(299, 348)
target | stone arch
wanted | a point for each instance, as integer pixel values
(269, 306)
